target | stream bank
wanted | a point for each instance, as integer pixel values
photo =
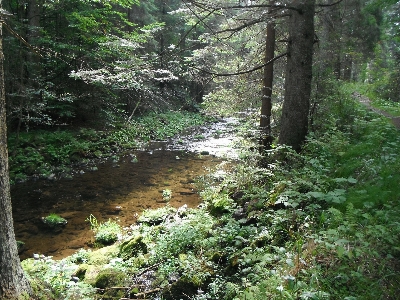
(118, 189)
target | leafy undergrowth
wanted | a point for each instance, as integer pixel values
(43, 153)
(323, 224)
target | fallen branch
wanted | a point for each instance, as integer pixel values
(147, 292)
(242, 72)
(148, 269)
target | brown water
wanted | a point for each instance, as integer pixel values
(133, 186)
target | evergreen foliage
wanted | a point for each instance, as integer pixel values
(91, 61)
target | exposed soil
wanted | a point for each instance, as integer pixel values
(367, 102)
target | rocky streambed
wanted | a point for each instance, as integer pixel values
(118, 189)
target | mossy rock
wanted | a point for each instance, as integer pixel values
(111, 278)
(132, 247)
(156, 216)
(41, 289)
(103, 255)
(88, 273)
(183, 288)
(217, 257)
(81, 271)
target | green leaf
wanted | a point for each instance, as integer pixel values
(352, 180)
(340, 251)
(317, 195)
(341, 179)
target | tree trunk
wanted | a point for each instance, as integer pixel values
(266, 104)
(330, 23)
(347, 67)
(32, 36)
(295, 110)
(13, 283)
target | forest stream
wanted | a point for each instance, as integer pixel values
(119, 190)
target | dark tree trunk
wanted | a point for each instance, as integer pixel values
(294, 122)
(329, 39)
(33, 60)
(347, 67)
(266, 104)
(13, 283)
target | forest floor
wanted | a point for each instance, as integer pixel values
(367, 102)
(249, 239)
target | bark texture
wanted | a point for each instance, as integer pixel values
(295, 110)
(13, 284)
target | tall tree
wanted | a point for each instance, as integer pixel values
(249, 15)
(295, 110)
(268, 78)
(13, 283)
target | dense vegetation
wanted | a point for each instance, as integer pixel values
(319, 219)
(323, 224)
(55, 154)
(93, 63)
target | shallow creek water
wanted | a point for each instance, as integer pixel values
(118, 190)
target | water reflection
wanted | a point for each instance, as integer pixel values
(118, 190)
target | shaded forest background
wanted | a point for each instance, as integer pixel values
(101, 62)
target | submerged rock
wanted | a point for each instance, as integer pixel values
(55, 222)
(113, 210)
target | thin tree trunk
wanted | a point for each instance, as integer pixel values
(13, 283)
(329, 40)
(295, 110)
(266, 104)
(32, 35)
(347, 67)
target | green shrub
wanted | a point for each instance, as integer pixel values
(108, 232)
(217, 202)
(80, 257)
(105, 233)
(178, 238)
(156, 216)
(54, 277)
